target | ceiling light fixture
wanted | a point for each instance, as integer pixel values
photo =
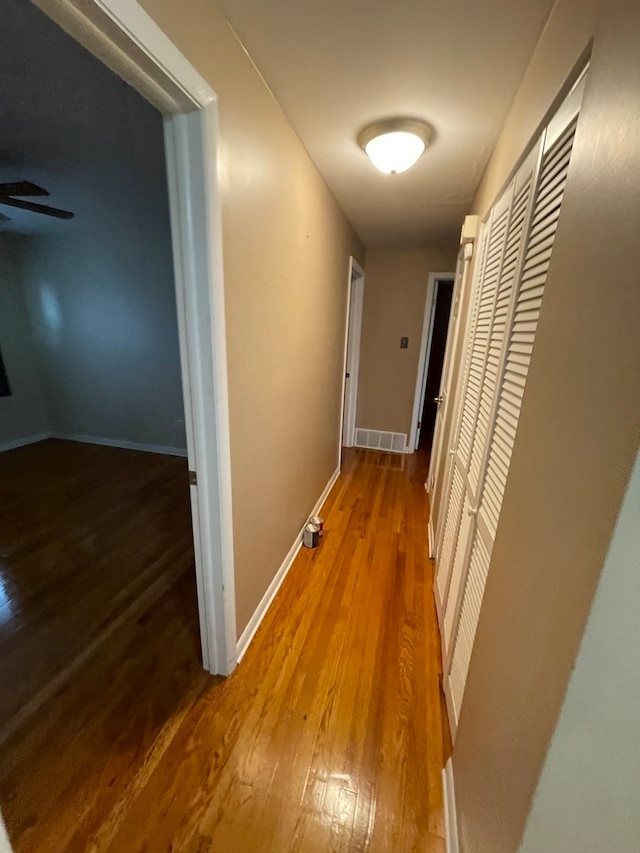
(396, 144)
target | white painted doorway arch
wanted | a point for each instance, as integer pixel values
(353, 333)
(127, 40)
(425, 353)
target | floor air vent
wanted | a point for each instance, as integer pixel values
(375, 439)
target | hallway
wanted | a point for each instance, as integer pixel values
(329, 736)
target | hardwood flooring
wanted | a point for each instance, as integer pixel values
(330, 735)
(87, 534)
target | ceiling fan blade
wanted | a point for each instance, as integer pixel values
(21, 188)
(37, 208)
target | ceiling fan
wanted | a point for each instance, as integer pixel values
(8, 193)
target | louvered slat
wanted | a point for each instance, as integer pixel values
(469, 614)
(450, 534)
(457, 574)
(527, 311)
(506, 283)
(486, 310)
(509, 356)
(443, 555)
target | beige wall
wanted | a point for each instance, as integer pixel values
(577, 437)
(394, 302)
(587, 798)
(564, 40)
(286, 252)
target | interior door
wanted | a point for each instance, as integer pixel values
(457, 518)
(522, 283)
(352, 356)
(443, 396)
(502, 292)
(346, 418)
(440, 325)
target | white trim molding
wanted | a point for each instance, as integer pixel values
(122, 443)
(5, 844)
(14, 443)
(425, 353)
(430, 536)
(261, 610)
(450, 817)
(124, 37)
(352, 338)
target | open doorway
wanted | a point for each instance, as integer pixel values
(115, 406)
(355, 303)
(442, 312)
(95, 519)
(129, 42)
(432, 351)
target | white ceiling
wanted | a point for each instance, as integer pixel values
(336, 65)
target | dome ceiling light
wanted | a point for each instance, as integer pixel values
(396, 144)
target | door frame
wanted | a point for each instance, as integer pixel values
(425, 352)
(127, 40)
(351, 363)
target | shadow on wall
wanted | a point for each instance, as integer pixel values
(394, 305)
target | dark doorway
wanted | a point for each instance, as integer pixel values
(442, 311)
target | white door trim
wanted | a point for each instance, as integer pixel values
(450, 817)
(123, 36)
(425, 352)
(353, 333)
(464, 259)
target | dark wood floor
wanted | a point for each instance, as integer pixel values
(329, 736)
(87, 534)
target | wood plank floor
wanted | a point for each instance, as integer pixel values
(329, 736)
(86, 534)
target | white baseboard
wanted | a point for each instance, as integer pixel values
(451, 713)
(439, 613)
(451, 710)
(121, 443)
(431, 537)
(22, 442)
(261, 610)
(450, 818)
(92, 439)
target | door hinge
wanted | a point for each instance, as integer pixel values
(347, 375)
(193, 478)
(419, 424)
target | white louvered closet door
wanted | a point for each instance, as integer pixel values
(457, 519)
(521, 192)
(449, 501)
(443, 535)
(527, 258)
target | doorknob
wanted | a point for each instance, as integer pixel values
(438, 400)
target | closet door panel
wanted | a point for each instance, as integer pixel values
(450, 534)
(484, 322)
(471, 603)
(449, 513)
(506, 386)
(457, 528)
(537, 257)
(518, 221)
